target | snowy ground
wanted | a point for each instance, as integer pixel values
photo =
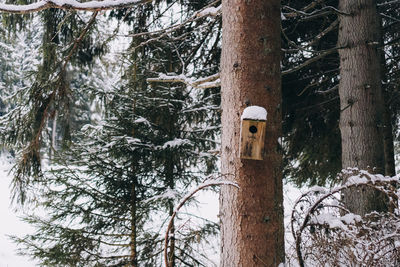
(11, 225)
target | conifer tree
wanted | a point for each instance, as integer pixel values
(43, 95)
(153, 142)
(310, 88)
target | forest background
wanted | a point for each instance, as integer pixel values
(127, 101)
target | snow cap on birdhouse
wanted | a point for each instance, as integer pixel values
(252, 133)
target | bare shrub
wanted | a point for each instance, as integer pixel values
(327, 234)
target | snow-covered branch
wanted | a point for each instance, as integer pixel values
(311, 60)
(395, 2)
(207, 11)
(319, 12)
(70, 5)
(325, 231)
(202, 83)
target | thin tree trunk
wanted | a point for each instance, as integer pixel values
(251, 217)
(171, 250)
(133, 243)
(361, 99)
(133, 251)
(169, 166)
(53, 145)
(169, 171)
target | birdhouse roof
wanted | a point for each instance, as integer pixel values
(254, 113)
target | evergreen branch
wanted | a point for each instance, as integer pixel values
(390, 17)
(105, 234)
(197, 15)
(395, 2)
(30, 160)
(196, 49)
(164, 32)
(331, 27)
(108, 243)
(330, 90)
(107, 257)
(86, 185)
(328, 78)
(86, 211)
(318, 12)
(198, 263)
(311, 60)
(79, 39)
(315, 39)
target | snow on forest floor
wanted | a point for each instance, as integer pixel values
(10, 224)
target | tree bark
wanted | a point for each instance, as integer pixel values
(251, 217)
(361, 99)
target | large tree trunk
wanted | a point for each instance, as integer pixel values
(252, 216)
(361, 99)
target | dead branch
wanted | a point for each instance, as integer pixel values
(182, 202)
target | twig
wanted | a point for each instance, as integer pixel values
(182, 202)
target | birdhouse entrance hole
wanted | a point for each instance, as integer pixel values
(253, 129)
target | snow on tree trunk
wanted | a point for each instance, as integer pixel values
(251, 217)
(361, 99)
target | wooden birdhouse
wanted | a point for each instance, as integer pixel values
(252, 133)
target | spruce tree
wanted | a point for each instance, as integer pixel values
(153, 142)
(42, 98)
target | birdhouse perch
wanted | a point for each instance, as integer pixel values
(252, 133)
